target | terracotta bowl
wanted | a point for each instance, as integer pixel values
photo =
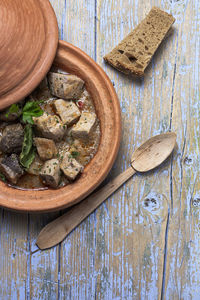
(75, 61)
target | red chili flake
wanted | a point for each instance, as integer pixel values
(80, 104)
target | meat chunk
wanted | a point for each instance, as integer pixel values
(50, 126)
(68, 111)
(10, 167)
(46, 148)
(70, 166)
(36, 166)
(84, 126)
(65, 86)
(12, 139)
(50, 173)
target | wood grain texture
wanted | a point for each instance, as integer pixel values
(143, 242)
(43, 267)
(183, 263)
(140, 210)
(13, 255)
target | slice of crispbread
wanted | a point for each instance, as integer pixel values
(134, 52)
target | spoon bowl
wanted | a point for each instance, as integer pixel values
(153, 152)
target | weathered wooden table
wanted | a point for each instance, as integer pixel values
(144, 242)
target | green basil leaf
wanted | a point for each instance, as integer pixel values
(2, 177)
(26, 161)
(28, 152)
(31, 109)
(26, 118)
(75, 154)
(13, 109)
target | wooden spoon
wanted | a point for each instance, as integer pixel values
(148, 156)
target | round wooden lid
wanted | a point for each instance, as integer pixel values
(28, 43)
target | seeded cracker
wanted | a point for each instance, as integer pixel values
(134, 52)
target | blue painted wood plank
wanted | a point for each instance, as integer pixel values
(13, 255)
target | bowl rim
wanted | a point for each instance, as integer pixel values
(44, 61)
(14, 199)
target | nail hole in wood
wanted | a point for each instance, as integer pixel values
(196, 202)
(150, 202)
(187, 161)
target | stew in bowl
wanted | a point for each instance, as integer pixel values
(47, 139)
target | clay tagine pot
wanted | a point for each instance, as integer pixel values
(26, 55)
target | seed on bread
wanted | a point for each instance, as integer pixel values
(133, 54)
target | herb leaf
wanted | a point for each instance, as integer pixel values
(28, 152)
(75, 154)
(13, 109)
(2, 177)
(31, 109)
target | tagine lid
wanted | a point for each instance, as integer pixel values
(28, 44)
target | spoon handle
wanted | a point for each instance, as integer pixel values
(57, 230)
